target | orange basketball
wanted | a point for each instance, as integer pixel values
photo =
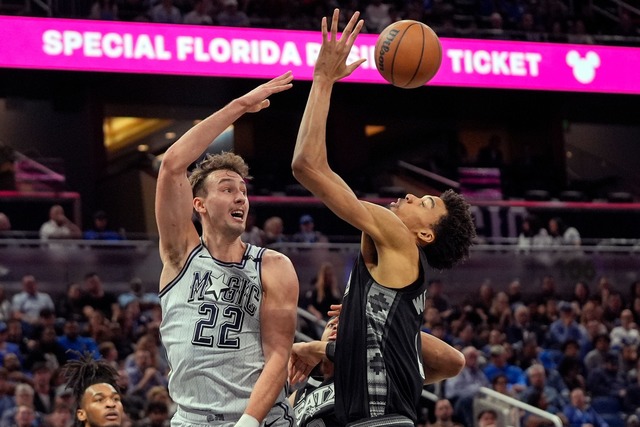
(408, 54)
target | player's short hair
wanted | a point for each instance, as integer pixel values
(213, 162)
(454, 233)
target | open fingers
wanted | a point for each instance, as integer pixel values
(334, 23)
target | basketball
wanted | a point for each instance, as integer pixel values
(408, 54)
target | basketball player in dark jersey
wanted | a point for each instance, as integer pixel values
(314, 403)
(379, 371)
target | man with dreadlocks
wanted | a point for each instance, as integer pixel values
(94, 386)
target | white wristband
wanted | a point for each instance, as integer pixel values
(247, 420)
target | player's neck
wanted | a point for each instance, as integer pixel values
(224, 248)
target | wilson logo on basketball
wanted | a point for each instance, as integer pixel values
(384, 47)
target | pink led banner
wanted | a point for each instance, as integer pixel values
(81, 45)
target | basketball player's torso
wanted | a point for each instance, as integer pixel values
(211, 331)
(379, 368)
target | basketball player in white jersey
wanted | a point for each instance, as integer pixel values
(379, 372)
(228, 307)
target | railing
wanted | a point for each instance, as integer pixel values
(488, 398)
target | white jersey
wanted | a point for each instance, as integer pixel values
(211, 332)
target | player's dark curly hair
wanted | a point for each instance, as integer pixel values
(454, 233)
(211, 163)
(87, 371)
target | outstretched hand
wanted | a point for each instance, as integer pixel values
(332, 59)
(258, 98)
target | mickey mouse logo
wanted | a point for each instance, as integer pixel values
(584, 69)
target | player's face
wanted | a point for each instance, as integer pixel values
(330, 330)
(226, 203)
(101, 407)
(419, 213)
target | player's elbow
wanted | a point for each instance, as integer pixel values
(302, 169)
(457, 363)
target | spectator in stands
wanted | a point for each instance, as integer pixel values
(15, 335)
(5, 305)
(274, 230)
(59, 226)
(325, 293)
(376, 16)
(628, 361)
(46, 319)
(23, 397)
(109, 353)
(532, 234)
(607, 380)
(24, 417)
(96, 298)
(487, 418)
(462, 388)
(161, 394)
(469, 380)
(104, 10)
(613, 307)
(500, 311)
(498, 365)
(580, 296)
(98, 327)
(438, 298)
(538, 384)
(521, 328)
(44, 395)
(100, 229)
(6, 391)
(46, 348)
(61, 416)
(495, 338)
(515, 294)
(133, 403)
(431, 318)
(72, 340)
(143, 374)
(27, 304)
(444, 415)
(595, 358)
(566, 327)
(70, 305)
(605, 287)
(578, 412)
(631, 399)
(231, 15)
(134, 293)
(157, 415)
(165, 12)
(198, 14)
(307, 232)
(571, 367)
(538, 400)
(7, 168)
(252, 233)
(465, 336)
(561, 234)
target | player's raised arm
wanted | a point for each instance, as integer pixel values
(310, 166)
(174, 198)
